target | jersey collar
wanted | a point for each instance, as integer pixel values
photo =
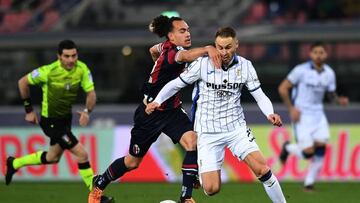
(233, 61)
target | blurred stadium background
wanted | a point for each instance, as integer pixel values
(113, 40)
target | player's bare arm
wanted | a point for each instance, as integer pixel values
(284, 89)
(30, 116)
(340, 100)
(192, 54)
(90, 104)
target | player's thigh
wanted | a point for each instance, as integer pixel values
(242, 142)
(211, 152)
(321, 133)
(179, 127)
(146, 130)
(303, 131)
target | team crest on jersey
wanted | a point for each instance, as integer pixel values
(67, 86)
(136, 149)
(35, 73)
(238, 72)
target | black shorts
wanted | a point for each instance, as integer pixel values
(59, 131)
(147, 128)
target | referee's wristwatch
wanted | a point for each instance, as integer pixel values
(86, 110)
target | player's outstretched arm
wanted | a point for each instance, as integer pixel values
(169, 90)
(192, 54)
(266, 107)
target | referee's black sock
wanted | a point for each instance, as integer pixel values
(190, 171)
(113, 172)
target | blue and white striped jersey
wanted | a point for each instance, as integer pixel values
(310, 86)
(217, 92)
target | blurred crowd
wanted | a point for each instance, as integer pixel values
(303, 11)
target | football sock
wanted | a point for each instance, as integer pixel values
(113, 172)
(30, 159)
(272, 187)
(315, 166)
(86, 174)
(294, 149)
(189, 170)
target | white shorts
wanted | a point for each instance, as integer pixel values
(211, 147)
(310, 128)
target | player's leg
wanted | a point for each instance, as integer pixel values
(321, 136)
(189, 166)
(244, 147)
(179, 128)
(304, 146)
(143, 134)
(85, 170)
(211, 153)
(257, 164)
(36, 158)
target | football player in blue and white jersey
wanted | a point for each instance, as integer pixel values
(309, 82)
(219, 118)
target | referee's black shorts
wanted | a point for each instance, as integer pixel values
(59, 131)
(147, 128)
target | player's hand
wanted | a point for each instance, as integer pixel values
(215, 56)
(32, 118)
(150, 107)
(84, 118)
(343, 101)
(275, 119)
(294, 114)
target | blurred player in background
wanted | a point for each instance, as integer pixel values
(170, 58)
(60, 82)
(219, 118)
(309, 82)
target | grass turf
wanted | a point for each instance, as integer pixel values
(64, 192)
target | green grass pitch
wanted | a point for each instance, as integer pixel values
(64, 192)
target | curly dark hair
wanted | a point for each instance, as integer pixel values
(162, 25)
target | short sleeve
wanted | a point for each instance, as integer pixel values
(295, 75)
(252, 82)
(192, 72)
(332, 82)
(38, 76)
(87, 82)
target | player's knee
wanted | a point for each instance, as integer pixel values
(132, 164)
(53, 160)
(189, 141)
(211, 189)
(261, 170)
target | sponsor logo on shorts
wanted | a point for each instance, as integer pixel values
(136, 149)
(66, 138)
